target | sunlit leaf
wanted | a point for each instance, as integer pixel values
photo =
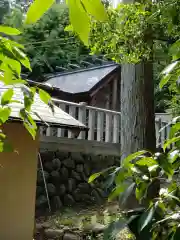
(96, 9)
(9, 30)
(131, 157)
(148, 161)
(117, 191)
(7, 96)
(164, 80)
(127, 193)
(44, 96)
(4, 114)
(37, 10)
(79, 20)
(94, 176)
(170, 141)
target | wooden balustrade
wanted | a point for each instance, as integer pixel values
(103, 124)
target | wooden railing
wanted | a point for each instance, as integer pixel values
(103, 124)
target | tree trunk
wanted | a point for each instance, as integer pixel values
(137, 109)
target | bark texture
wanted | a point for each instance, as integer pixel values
(137, 108)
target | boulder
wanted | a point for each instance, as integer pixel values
(75, 175)
(56, 202)
(69, 163)
(55, 176)
(79, 168)
(62, 155)
(64, 174)
(71, 184)
(40, 176)
(87, 170)
(48, 166)
(77, 157)
(46, 156)
(96, 197)
(39, 190)
(84, 187)
(56, 163)
(41, 201)
(54, 233)
(71, 236)
(62, 190)
(76, 195)
(51, 189)
(68, 200)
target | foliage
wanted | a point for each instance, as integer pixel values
(12, 58)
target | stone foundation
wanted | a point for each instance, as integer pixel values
(67, 177)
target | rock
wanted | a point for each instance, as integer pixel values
(87, 170)
(79, 168)
(55, 176)
(62, 190)
(41, 200)
(64, 174)
(39, 190)
(56, 202)
(62, 155)
(51, 189)
(96, 196)
(75, 175)
(84, 187)
(83, 177)
(76, 195)
(77, 157)
(69, 163)
(40, 176)
(85, 197)
(101, 192)
(71, 184)
(46, 156)
(68, 200)
(48, 166)
(71, 236)
(56, 163)
(54, 233)
(95, 228)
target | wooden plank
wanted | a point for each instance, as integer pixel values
(108, 127)
(91, 124)
(82, 118)
(100, 126)
(60, 131)
(158, 136)
(72, 111)
(116, 128)
(79, 145)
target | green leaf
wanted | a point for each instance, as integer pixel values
(117, 191)
(164, 80)
(147, 161)
(4, 114)
(37, 10)
(79, 19)
(176, 235)
(170, 141)
(146, 218)
(96, 9)
(7, 96)
(131, 157)
(9, 30)
(94, 176)
(127, 193)
(174, 129)
(44, 96)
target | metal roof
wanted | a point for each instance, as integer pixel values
(80, 80)
(44, 114)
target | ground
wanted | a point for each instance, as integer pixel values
(88, 223)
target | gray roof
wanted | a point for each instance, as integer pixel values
(80, 80)
(58, 118)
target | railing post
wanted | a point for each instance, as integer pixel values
(100, 126)
(72, 110)
(91, 122)
(116, 125)
(159, 135)
(60, 131)
(108, 126)
(82, 118)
